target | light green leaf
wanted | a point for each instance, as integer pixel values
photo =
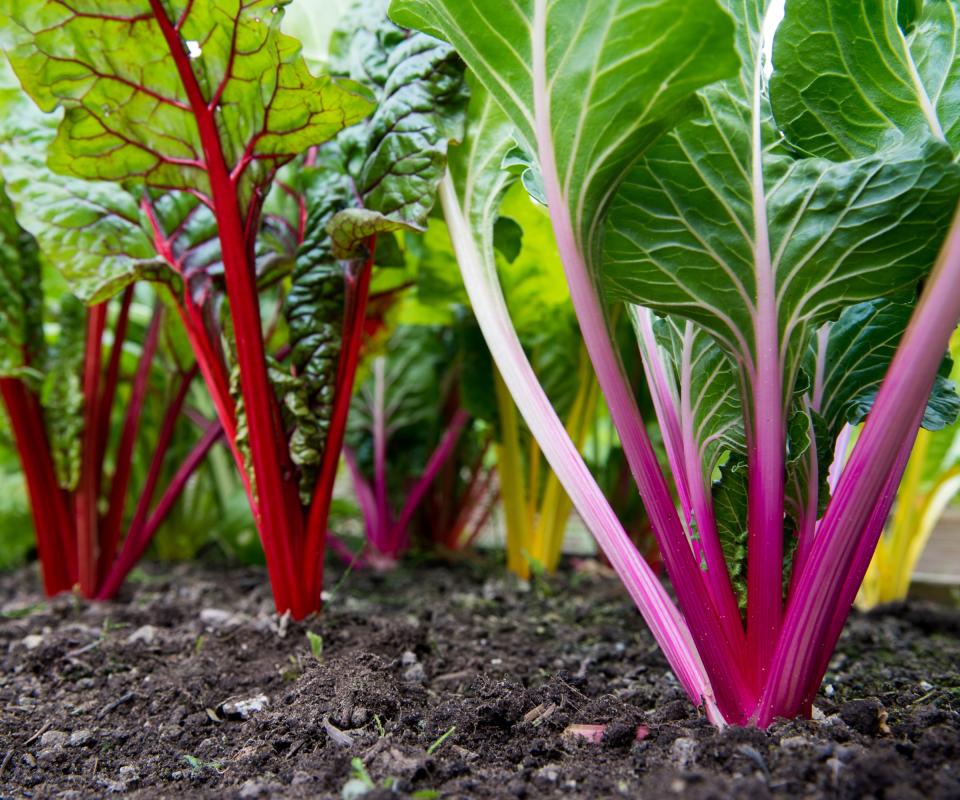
(706, 379)
(128, 115)
(602, 78)
(730, 509)
(850, 80)
(90, 231)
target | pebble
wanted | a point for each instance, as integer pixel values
(145, 634)
(247, 707)
(684, 751)
(49, 756)
(415, 674)
(254, 788)
(408, 658)
(128, 773)
(81, 738)
(32, 641)
(53, 739)
(216, 617)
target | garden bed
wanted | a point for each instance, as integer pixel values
(444, 682)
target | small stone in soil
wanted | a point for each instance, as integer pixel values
(53, 739)
(246, 708)
(145, 634)
(80, 738)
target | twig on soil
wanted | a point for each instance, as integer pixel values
(115, 704)
(40, 732)
(6, 760)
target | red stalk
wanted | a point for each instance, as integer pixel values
(87, 493)
(110, 533)
(113, 374)
(141, 533)
(355, 314)
(386, 543)
(276, 489)
(48, 502)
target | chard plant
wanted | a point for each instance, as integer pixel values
(416, 460)
(194, 108)
(63, 396)
(755, 227)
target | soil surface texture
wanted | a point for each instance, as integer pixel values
(438, 681)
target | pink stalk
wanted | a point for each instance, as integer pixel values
(665, 402)
(853, 581)
(734, 695)
(766, 430)
(717, 577)
(439, 457)
(368, 505)
(843, 543)
(486, 296)
(141, 534)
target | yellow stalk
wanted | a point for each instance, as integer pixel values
(556, 505)
(934, 504)
(510, 471)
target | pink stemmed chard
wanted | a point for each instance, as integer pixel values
(195, 109)
(409, 437)
(766, 274)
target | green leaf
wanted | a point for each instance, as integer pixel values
(90, 231)
(62, 391)
(128, 116)
(721, 225)
(859, 348)
(605, 77)
(730, 509)
(715, 409)
(850, 79)
(21, 296)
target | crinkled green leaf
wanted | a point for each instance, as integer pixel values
(851, 77)
(128, 115)
(377, 177)
(695, 230)
(90, 231)
(62, 391)
(21, 296)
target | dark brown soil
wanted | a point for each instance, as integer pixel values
(147, 697)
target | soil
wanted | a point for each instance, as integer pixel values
(438, 681)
